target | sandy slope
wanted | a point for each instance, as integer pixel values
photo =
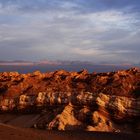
(25, 121)
(8, 132)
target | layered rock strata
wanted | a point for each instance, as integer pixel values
(75, 100)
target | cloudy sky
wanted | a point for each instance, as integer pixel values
(87, 30)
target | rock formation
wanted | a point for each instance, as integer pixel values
(74, 100)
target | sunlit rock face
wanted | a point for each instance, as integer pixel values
(75, 100)
(26, 101)
(7, 104)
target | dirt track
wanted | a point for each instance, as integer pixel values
(8, 132)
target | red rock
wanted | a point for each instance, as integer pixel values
(75, 100)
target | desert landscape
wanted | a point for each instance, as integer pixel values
(69, 69)
(43, 103)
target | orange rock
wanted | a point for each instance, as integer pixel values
(75, 100)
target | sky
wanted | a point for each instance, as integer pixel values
(86, 30)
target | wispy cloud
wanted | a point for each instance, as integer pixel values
(73, 29)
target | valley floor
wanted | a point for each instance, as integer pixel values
(8, 132)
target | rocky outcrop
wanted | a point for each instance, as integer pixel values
(75, 100)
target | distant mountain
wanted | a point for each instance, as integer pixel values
(47, 65)
(23, 63)
(60, 62)
(16, 62)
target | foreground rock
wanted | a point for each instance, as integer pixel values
(74, 100)
(8, 132)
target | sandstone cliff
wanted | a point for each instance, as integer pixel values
(74, 100)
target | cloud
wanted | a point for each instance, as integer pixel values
(72, 30)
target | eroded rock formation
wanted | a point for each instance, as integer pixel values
(75, 100)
